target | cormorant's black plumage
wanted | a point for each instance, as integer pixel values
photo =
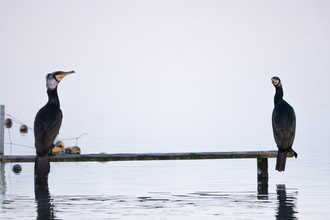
(284, 125)
(47, 124)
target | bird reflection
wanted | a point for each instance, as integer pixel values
(286, 204)
(286, 201)
(44, 201)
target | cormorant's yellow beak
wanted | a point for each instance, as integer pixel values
(275, 81)
(63, 74)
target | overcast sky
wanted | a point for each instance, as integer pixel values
(167, 71)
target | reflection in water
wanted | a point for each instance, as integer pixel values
(44, 201)
(2, 179)
(219, 204)
(263, 189)
(286, 203)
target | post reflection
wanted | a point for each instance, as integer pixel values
(286, 203)
(2, 179)
(44, 201)
(263, 189)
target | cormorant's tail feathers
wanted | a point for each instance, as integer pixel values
(41, 167)
(280, 162)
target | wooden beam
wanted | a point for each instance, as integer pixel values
(146, 156)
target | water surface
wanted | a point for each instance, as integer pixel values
(225, 189)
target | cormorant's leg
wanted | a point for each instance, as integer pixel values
(50, 150)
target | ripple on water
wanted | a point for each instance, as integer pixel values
(157, 204)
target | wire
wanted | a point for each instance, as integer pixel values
(21, 145)
(21, 123)
(75, 138)
(18, 121)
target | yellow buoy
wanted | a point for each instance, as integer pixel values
(8, 123)
(75, 150)
(60, 144)
(67, 150)
(57, 150)
(23, 129)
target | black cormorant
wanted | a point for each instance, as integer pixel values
(47, 124)
(284, 125)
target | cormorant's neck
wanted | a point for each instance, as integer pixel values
(53, 97)
(278, 95)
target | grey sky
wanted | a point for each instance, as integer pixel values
(180, 68)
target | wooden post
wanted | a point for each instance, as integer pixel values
(262, 166)
(2, 129)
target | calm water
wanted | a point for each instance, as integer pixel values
(225, 189)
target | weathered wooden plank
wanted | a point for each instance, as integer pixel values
(146, 156)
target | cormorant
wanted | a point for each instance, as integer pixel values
(284, 125)
(47, 124)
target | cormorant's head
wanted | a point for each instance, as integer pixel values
(276, 81)
(53, 79)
